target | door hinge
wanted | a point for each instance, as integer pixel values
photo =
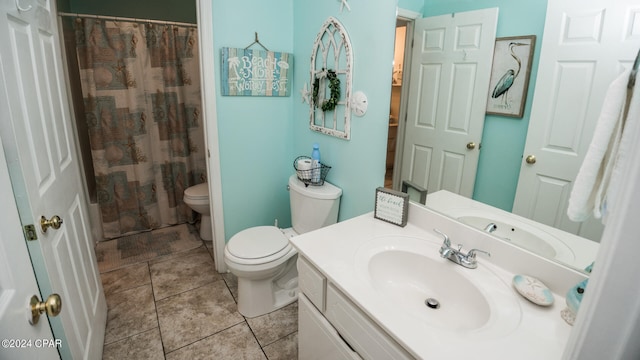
(30, 232)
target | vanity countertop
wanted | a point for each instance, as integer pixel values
(540, 332)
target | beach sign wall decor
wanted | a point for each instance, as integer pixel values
(249, 72)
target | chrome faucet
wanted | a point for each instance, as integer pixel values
(467, 260)
(491, 227)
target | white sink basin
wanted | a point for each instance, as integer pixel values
(406, 271)
(523, 235)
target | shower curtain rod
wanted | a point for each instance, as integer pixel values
(119, 18)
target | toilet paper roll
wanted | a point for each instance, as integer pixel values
(304, 169)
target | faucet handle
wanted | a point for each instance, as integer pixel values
(472, 253)
(445, 237)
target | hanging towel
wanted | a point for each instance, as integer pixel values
(596, 180)
(626, 141)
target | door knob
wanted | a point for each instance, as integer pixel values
(531, 159)
(471, 145)
(52, 307)
(54, 223)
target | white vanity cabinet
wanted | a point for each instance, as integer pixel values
(330, 326)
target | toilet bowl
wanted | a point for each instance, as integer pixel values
(265, 263)
(262, 257)
(197, 198)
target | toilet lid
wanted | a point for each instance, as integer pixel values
(200, 191)
(257, 242)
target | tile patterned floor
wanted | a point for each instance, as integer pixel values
(179, 307)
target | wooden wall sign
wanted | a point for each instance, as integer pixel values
(250, 72)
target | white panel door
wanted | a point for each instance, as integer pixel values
(37, 136)
(20, 340)
(450, 71)
(586, 45)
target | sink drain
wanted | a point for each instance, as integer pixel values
(432, 303)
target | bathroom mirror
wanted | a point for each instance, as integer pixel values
(577, 244)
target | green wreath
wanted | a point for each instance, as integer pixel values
(334, 87)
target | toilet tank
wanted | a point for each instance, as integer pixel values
(313, 207)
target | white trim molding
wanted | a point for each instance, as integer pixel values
(209, 113)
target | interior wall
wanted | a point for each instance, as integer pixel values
(255, 133)
(358, 165)
(413, 5)
(260, 137)
(503, 138)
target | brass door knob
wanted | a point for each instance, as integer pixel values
(52, 307)
(471, 145)
(54, 223)
(531, 159)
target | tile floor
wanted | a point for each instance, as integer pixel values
(179, 307)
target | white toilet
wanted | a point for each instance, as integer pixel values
(262, 257)
(197, 197)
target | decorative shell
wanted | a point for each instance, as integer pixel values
(533, 290)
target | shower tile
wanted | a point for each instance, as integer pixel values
(236, 342)
(283, 349)
(195, 314)
(182, 273)
(146, 345)
(130, 312)
(125, 278)
(275, 325)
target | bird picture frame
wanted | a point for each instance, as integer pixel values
(510, 73)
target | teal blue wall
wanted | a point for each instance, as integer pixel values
(255, 133)
(358, 165)
(413, 5)
(503, 138)
(260, 137)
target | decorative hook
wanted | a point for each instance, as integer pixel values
(21, 9)
(343, 4)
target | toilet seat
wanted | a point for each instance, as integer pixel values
(258, 245)
(198, 192)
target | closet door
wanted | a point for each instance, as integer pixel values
(586, 45)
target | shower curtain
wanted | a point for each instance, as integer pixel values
(141, 90)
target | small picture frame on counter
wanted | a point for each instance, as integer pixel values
(391, 206)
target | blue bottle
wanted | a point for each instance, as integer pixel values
(315, 164)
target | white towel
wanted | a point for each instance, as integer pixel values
(623, 154)
(593, 187)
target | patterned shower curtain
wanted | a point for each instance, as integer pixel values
(141, 90)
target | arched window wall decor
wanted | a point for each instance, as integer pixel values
(331, 70)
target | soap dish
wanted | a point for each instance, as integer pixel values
(533, 290)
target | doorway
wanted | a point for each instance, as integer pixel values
(445, 103)
(398, 100)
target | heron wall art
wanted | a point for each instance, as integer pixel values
(510, 75)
